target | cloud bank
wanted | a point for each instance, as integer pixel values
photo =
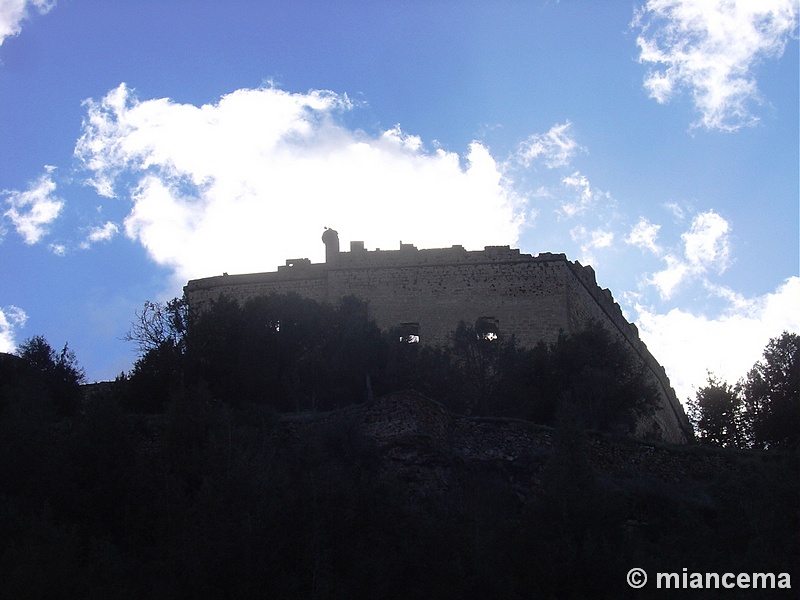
(711, 49)
(584, 195)
(644, 235)
(11, 318)
(242, 184)
(689, 345)
(591, 241)
(13, 12)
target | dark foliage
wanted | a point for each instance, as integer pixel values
(220, 496)
(159, 324)
(762, 410)
(287, 352)
(772, 395)
(218, 502)
(59, 373)
(591, 370)
(715, 414)
(294, 354)
(600, 377)
(156, 377)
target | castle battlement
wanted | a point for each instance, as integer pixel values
(427, 292)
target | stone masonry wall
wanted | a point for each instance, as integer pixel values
(435, 288)
(598, 304)
(526, 298)
(306, 281)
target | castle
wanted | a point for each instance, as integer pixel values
(427, 292)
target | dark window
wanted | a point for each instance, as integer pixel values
(409, 333)
(487, 329)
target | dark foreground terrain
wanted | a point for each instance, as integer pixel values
(397, 498)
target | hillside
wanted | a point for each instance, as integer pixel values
(395, 498)
(425, 444)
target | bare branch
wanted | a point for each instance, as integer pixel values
(158, 324)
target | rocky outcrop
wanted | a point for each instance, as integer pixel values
(426, 446)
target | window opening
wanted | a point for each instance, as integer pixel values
(487, 329)
(409, 333)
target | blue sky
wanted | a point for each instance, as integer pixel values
(146, 143)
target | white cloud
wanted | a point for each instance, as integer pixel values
(711, 49)
(644, 235)
(11, 318)
(245, 183)
(101, 233)
(555, 148)
(668, 280)
(13, 12)
(590, 241)
(677, 212)
(705, 247)
(706, 243)
(33, 210)
(586, 196)
(689, 345)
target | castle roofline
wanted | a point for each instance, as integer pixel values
(408, 255)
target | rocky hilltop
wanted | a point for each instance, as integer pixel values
(427, 447)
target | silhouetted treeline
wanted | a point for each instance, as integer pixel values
(762, 410)
(214, 501)
(217, 499)
(294, 354)
(590, 373)
(56, 376)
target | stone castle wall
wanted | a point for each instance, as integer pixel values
(533, 298)
(600, 306)
(528, 296)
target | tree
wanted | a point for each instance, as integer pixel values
(160, 323)
(289, 352)
(60, 372)
(155, 379)
(771, 404)
(606, 385)
(476, 357)
(159, 332)
(762, 410)
(609, 386)
(715, 413)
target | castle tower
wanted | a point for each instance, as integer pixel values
(330, 237)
